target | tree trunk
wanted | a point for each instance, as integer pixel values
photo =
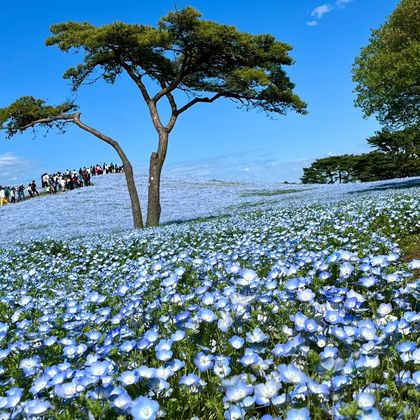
(157, 160)
(132, 191)
(128, 170)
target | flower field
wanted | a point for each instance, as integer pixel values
(292, 311)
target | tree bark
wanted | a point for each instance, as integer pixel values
(132, 191)
(128, 171)
(157, 160)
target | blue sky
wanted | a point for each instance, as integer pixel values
(209, 141)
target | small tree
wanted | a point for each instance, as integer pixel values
(28, 112)
(387, 71)
(202, 59)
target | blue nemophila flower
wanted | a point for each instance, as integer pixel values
(13, 397)
(100, 368)
(30, 365)
(178, 335)
(298, 414)
(39, 384)
(158, 385)
(208, 299)
(238, 391)
(206, 315)
(292, 374)
(384, 309)
(127, 346)
(329, 351)
(247, 276)
(339, 381)
(204, 361)
(222, 366)
(406, 346)
(50, 341)
(164, 355)
(249, 358)
(318, 389)
(311, 325)
(264, 393)
(152, 335)
(414, 265)
(120, 399)
(306, 295)
(146, 372)
(190, 380)
(224, 322)
(176, 365)
(164, 345)
(288, 348)
(368, 282)
(331, 364)
(415, 356)
(68, 389)
(368, 333)
(346, 269)
(36, 407)
(234, 412)
(333, 317)
(129, 377)
(365, 400)
(367, 361)
(73, 351)
(144, 408)
(236, 342)
(4, 353)
(372, 414)
(299, 319)
(256, 336)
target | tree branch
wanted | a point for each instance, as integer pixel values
(61, 117)
(174, 113)
(198, 100)
(137, 80)
(175, 83)
(75, 119)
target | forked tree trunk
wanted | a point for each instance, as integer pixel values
(157, 160)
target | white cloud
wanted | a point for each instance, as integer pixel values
(246, 166)
(322, 10)
(13, 168)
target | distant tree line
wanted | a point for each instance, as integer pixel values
(395, 154)
(387, 78)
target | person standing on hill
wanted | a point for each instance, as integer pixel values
(7, 194)
(13, 194)
(33, 188)
(2, 197)
(21, 192)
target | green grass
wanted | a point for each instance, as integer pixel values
(269, 193)
(410, 246)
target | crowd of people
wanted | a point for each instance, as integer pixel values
(56, 182)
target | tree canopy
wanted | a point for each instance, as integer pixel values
(187, 53)
(25, 111)
(387, 71)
